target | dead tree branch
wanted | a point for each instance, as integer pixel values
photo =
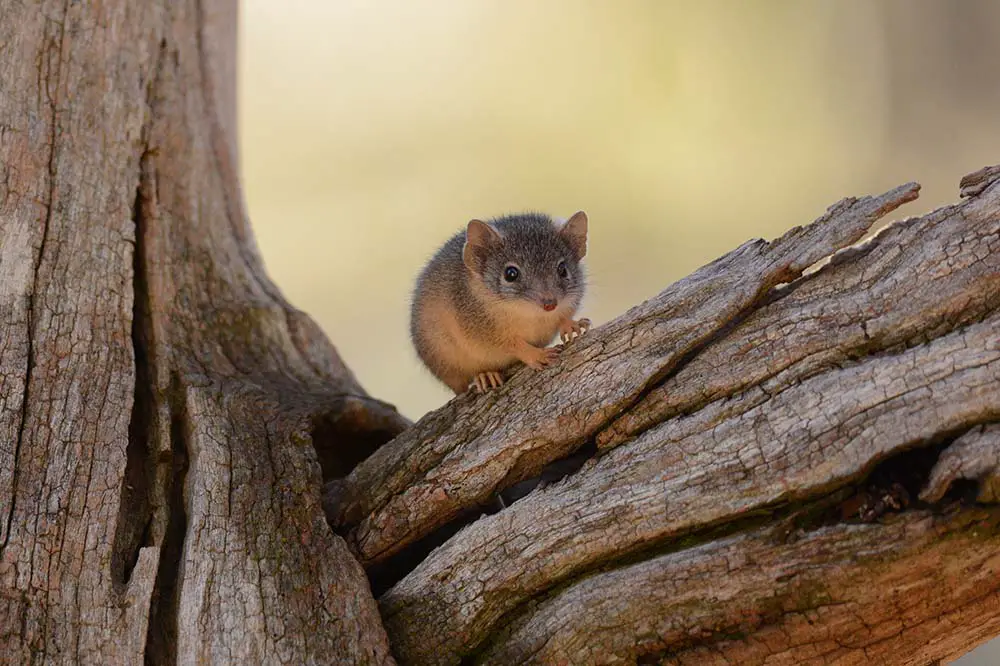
(746, 426)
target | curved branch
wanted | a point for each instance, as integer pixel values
(458, 456)
(747, 399)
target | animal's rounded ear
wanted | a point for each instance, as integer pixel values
(574, 232)
(480, 237)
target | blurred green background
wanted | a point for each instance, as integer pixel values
(371, 131)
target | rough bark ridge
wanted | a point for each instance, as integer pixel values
(158, 397)
(751, 431)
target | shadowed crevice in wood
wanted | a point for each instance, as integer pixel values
(384, 574)
(349, 428)
(783, 524)
(152, 510)
(780, 528)
(143, 510)
(553, 472)
(133, 529)
(161, 640)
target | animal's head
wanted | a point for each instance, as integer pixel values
(529, 257)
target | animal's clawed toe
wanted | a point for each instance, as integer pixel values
(485, 381)
(550, 356)
(570, 330)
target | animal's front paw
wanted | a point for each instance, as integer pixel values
(540, 358)
(570, 330)
(485, 381)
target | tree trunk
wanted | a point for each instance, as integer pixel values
(159, 494)
(765, 463)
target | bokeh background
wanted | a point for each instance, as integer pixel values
(371, 131)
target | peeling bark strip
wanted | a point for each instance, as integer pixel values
(865, 303)
(158, 489)
(458, 456)
(975, 456)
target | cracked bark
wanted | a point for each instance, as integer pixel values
(769, 462)
(158, 397)
(777, 467)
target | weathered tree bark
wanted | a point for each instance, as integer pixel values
(158, 489)
(750, 433)
(782, 466)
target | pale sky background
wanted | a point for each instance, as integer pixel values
(371, 131)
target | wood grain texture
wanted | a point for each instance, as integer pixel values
(844, 594)
(159, 488)
(723, 462)
(66, 361)
(458, 456)
(784, 447)
(791, 397)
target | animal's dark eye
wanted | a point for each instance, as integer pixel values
(511, 273)
(561, 270)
